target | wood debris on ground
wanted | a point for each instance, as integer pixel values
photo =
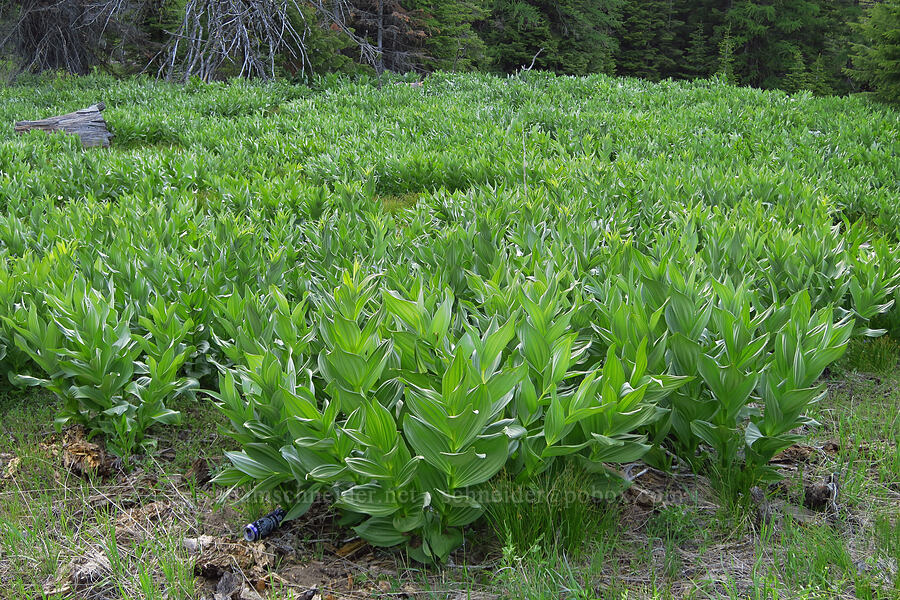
(88, 124)
(9, 464)
(83, 457)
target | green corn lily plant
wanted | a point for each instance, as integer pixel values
(88, 353)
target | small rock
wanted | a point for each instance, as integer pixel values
(195, 545)
(228, 587)
(248, 593)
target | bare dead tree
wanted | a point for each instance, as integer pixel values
(249, 34)
(245, 37)
(69, 35)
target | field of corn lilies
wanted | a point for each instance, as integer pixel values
(397, 298)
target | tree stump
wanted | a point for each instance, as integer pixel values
(87, 123)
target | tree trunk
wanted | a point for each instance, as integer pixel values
(87, 123)
(380, 37)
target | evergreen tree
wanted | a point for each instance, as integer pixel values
(328, 50)
(726, 58)
(876, 59)
(700, 36)
(452, 43)
(399, 32)
(515, 32)
(572, 36)
(769, 33)
(836, 43)
(70, 35)
(792, 44)
(586, 29)
(821, 81)
(698, 58)
(797, 78)
(649, 43)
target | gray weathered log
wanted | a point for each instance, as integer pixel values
(87, 123)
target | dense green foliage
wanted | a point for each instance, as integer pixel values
(452, 43)
(794, 45)
(572, 36)
(876, 59)
(582, 271)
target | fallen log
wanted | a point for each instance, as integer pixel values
(87, 123)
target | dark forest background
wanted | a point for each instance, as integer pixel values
(824, 46)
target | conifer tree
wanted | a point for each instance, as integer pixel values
(821, 81)
(452, 43)
(792, 44)
(726, 58)
(573, 36)
(798, 78)
(768, 34)
(835, 44)
(698, 59)
(876, 58)
(649, 46)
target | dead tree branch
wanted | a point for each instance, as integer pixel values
(68, 35)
